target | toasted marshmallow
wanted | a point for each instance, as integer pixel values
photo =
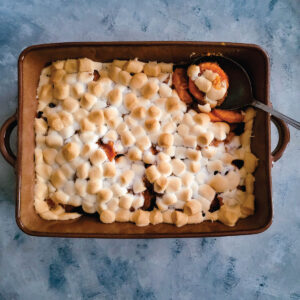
(127, 139)
(152, 125)
(152, 69)
(138, 81)
(179, 219)
(165, 140)
(115, 97)
(150, 89)
(160, 184)
(203, 84)
(133, 66)
(152, 173)
(193, 71)
(70, 151)
(107, 216)
(61, 91)
(174, 184)
(172, 104)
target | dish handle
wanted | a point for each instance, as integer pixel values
(5, 133)
(284, 138)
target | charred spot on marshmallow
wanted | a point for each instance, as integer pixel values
(239, 163)
(216, 204)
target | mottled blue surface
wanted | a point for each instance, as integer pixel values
(264, 266)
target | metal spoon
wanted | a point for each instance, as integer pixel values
(240, 90)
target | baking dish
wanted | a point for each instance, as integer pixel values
(34, 58)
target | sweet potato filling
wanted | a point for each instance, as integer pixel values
(96, 75)
(228, 116)
(149, 196)
(222, 115)
(180, 82)
(153, 150)
(108, 149)
(213, 117)
(51, 203)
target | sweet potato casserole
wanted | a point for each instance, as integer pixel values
(141, 142)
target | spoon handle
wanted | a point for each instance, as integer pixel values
(275, 113)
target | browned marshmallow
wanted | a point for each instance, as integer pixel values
(71, 66)
(165, 140)
(61, 91)
(70, 151)
(152, 173)
(138, 81)
(150, 89)
(172, 104)
(134, 66)
(130, 101)
(179, 219)
(152, 69)
(192, 207)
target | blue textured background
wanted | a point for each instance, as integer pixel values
(264, 266)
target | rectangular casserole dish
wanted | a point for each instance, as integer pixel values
(34, 58)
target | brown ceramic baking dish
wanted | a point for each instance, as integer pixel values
(34, 58)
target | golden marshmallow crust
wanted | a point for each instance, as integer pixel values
(158, 138)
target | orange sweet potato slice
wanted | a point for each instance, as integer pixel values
(184, 96)
(213, 117)
(180, 82)
(229, 116)
(180, 78)
(196, 92)
(109, 150)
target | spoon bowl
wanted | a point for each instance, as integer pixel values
(239, 93)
